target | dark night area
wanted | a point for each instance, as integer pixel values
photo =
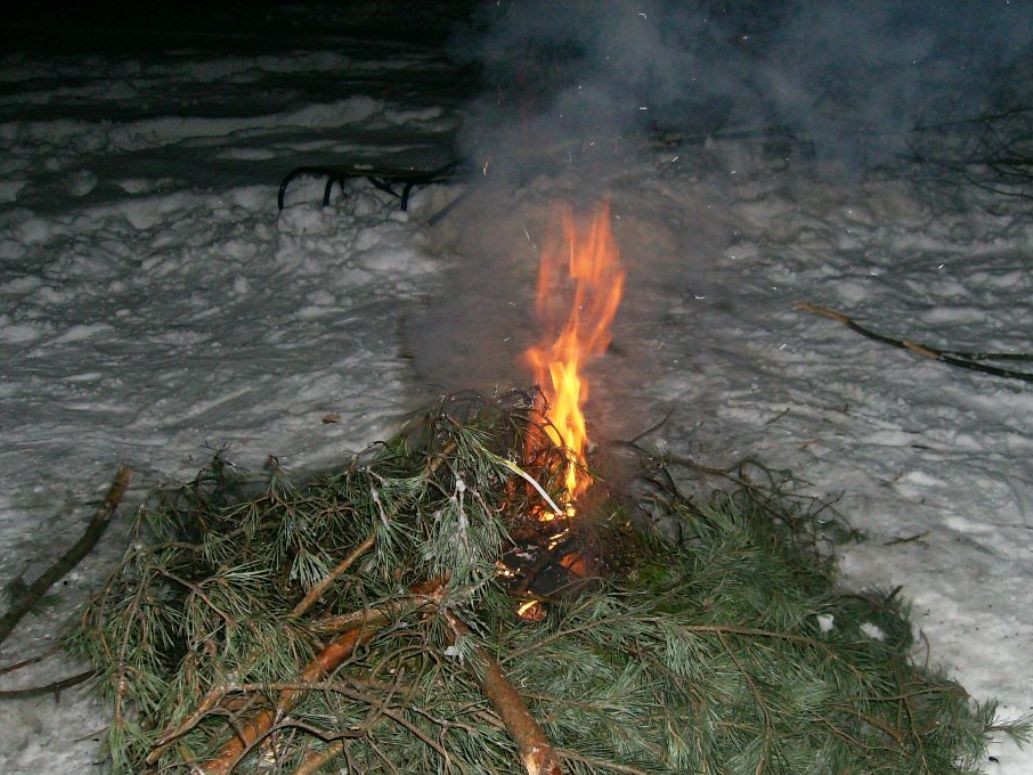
(235, 24)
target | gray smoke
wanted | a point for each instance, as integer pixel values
(573, 89)
(850, 78)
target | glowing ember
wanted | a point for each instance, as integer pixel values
(531, 611)
(579, 289)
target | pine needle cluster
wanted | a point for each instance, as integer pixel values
(732, 650)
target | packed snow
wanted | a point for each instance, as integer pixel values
(156, 307)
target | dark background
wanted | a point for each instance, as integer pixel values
(66, 25)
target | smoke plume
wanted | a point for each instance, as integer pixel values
(574, 91)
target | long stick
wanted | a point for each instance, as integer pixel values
(972, 361)
(53, 687)
(98, 524)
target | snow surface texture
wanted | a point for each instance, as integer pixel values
(156, 307)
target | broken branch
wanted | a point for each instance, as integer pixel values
(328, 660)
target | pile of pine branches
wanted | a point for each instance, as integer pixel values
(361, 620)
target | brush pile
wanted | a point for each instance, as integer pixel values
(364, 620)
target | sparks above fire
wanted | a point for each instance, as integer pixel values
(580, 283)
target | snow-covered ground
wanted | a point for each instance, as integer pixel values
(156, 306)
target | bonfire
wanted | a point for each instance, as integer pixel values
(450, 601)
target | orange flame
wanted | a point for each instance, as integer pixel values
(577, 321)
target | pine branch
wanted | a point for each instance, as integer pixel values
(974, 361)
(317, 590)
(257, 727)
(325, 663)
(94, 530)
(662, 668)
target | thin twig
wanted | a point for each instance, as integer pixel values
(906, 539)
(48, 652)
(974, 361)
(50, 688)
(211, 699)
(317, 589)
(315, 760)
(98, 524)
(651, 429)
(341, 622)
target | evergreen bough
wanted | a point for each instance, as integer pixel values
(732, 650)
